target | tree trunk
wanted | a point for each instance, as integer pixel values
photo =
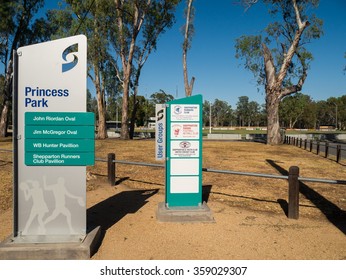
(6, 102)
(4, 119)
(102, 130)
(273, 126)
(133, 116)
(188, 87)
(124, 133)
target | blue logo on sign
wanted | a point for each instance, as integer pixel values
(69, 55)
(177, 109)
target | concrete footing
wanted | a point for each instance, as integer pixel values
(179, 214)
(12, 249)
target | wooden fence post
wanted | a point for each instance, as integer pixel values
(293, 192)
(305, 142)
(338, 153)
(311, 143)
(326, 150)
(111, 169)
(318, 147)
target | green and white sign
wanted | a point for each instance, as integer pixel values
(54, 140)
(58, 139)
(184, 152)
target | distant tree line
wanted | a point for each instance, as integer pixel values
(297, 111)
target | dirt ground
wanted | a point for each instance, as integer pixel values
(249, 213)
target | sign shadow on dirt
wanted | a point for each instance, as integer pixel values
(111, 210)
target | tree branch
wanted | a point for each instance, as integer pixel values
(292, 50)
(296, 10)
(298, 87)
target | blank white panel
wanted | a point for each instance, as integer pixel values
(185, 166)
(185, 184)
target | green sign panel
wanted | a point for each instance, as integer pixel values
(59, 118)
(59, 132)
(56, 159)
(59, 145)
(59, 139)
(184, 152)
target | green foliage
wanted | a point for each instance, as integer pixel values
(278, 36)
(17, 26)
(248, 112)
(161, 97)
(219, 113)
(293, 110)
(91, 104)
(300, 111)
(249, 48)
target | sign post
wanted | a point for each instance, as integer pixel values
(183, 180)
(54, 140)
(184, 152)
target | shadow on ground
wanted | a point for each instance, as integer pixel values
(111, 210)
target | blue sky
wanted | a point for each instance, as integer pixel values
(212, 61)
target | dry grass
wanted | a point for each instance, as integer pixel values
(260, 194)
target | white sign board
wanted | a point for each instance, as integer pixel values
(51, 78)
(184, 152)
(184, 149)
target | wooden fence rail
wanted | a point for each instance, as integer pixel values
(292, 178)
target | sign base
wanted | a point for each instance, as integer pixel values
(13, 248)
(184, 214)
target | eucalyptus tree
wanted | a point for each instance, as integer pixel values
(292, 108)
(309, 116)
(220, 112)
(323, 113)
(161, 97)
(137, 25)
(242, 110)
(206, 119)
(91, 103)
(337, 110)
(342, 112)
(278, 58)
(91, 18)
(253, 113)
(18, 27)
(159, 18)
